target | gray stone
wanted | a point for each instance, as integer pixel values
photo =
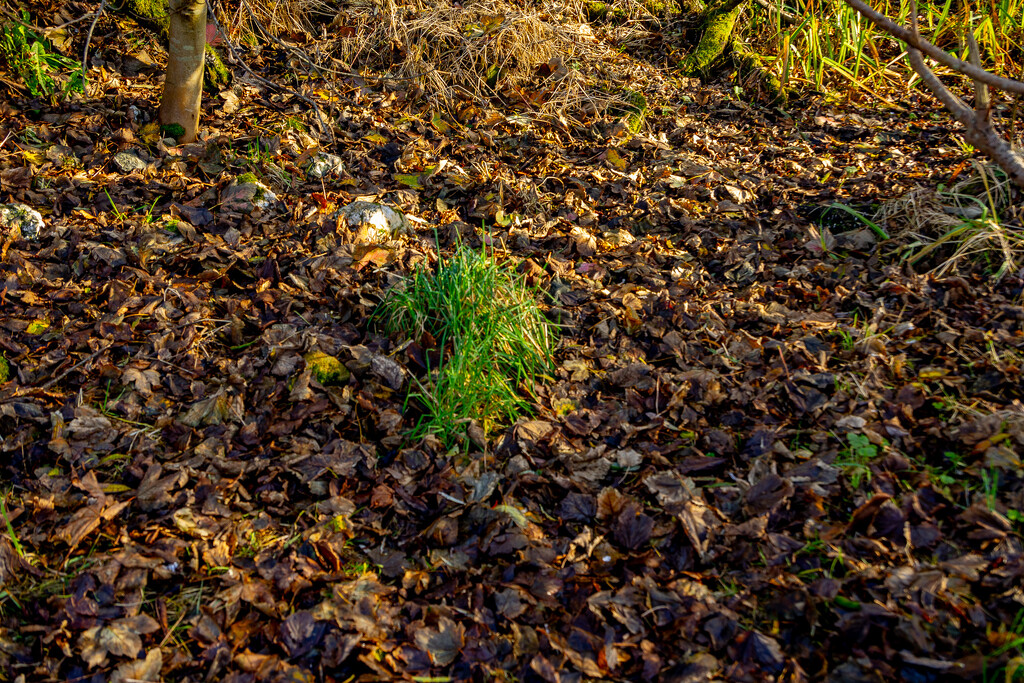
(128, 162)
(373, 222)
(25, 220)
(325, 164)
(245, 195)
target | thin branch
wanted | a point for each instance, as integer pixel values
(983, 137)
(268, 83)
(88, 38)
(937, 53)
(982, 102)
(44, 29)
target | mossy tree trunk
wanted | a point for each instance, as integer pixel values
(152, 13)
(186, 48)
(717, 25)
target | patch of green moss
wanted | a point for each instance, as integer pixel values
(218, 76)
(635, 110)
(662, 8)
(153, 13)
(173, 130)
(247, 178)
(596, 11)
(326, 369)
(5, 370)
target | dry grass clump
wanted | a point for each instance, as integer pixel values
(978, 222)
(277, 17)
(536, 55)
(540, 55)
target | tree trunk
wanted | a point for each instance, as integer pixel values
(719, 20)
(183, 87)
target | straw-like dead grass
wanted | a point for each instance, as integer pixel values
(276, 17)
(479, 50)
(542, 55)
(976, 221)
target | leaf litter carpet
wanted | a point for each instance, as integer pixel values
(768, 451)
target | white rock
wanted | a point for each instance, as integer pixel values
(24, 219)
(851, 423)
(325, 164)
(373, 222)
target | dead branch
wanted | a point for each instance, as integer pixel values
(976, 122)
(787, 17)
(978, 128)
(913, 39)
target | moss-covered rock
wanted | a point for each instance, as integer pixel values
(326, 369)
(245, 194)
(635, 110)
(5, 370)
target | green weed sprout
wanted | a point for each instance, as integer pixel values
(44, 72)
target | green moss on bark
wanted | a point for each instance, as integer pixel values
(218, 76)
(662, 8)
(597, 10)
(751, 64)
(718, 25)
(151, 13)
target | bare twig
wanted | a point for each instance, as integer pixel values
(44, 29)
(977, 122)
(88, 38)
(268, 83)
(982, 102)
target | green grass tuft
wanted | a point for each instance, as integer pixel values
(484, 325)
